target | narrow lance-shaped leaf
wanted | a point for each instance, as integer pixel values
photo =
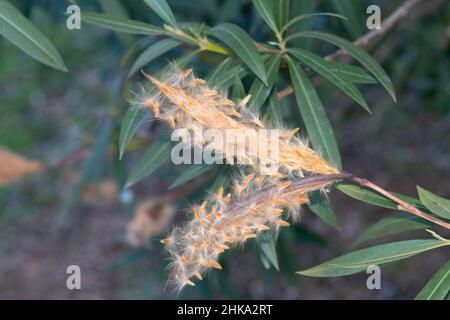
(243, 45)
(226, 79)
(114, 7)
(23, 34)
(438, 287)
(120, 24)
(301, 8)
(130, 123)
(395, 224)
(301, 17)
(259, 91)
(163, 10)
(355, 52)
(322, 208)
(156, 155)
(238, 92)
(316, 121)
(219, 69)
(274, 111)
(267, 244)
(152, 53)
(373, 197)
(281, 12)
(354, 11)
(322, 67)
(264, 8)
(359, 260)
(352, 73)
(192, 172)
(434, 203)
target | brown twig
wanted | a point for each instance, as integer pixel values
(72, 158)
(318, 181)
(390, 22)
(402, 205)
(263, 48)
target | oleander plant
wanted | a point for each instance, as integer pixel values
(237, 67)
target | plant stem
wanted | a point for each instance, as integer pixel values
(402, 205)
(388, 24)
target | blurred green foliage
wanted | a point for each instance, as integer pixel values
(47, 114)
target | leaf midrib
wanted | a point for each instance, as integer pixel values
(388, 258)
(31, 39)
(320, 130)
(257, 63)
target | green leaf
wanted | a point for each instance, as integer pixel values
(243, 45)
(352, 73)
(372, 197)
(359, 260)
(316, 121)
(163, 10)
(322, 67)
(281, 12)
(264, 8)
(152, 53)
(266, 243)
(322, 208)
(355, 52)
(300, 8)
(92, 169)
(130, 123)
(238, 89)
(156, 155)
(226, 78)
(274, 111)
(120, 25)
(354, 11)
(23, 34)
(438, 286)
(438, 205)
(219, 69)
(301, 17)
(114, 7)
(366, 195)
(400, 222)
(259, 91)
(193, 171)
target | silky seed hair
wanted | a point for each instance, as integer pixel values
(185, 101)
(257, 202)
(220, 223)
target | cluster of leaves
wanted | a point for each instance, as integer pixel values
(245, 66)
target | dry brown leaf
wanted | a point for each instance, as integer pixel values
(151, 218)
(14, 167)
(101, 192)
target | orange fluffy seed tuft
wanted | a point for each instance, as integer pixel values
(186, 72)
(215, 264)
(282, 223)
(188, 282)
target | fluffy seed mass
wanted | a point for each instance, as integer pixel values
(257, 201)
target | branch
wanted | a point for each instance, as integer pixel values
(402, 205)
(389, 23)
(319, 181)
